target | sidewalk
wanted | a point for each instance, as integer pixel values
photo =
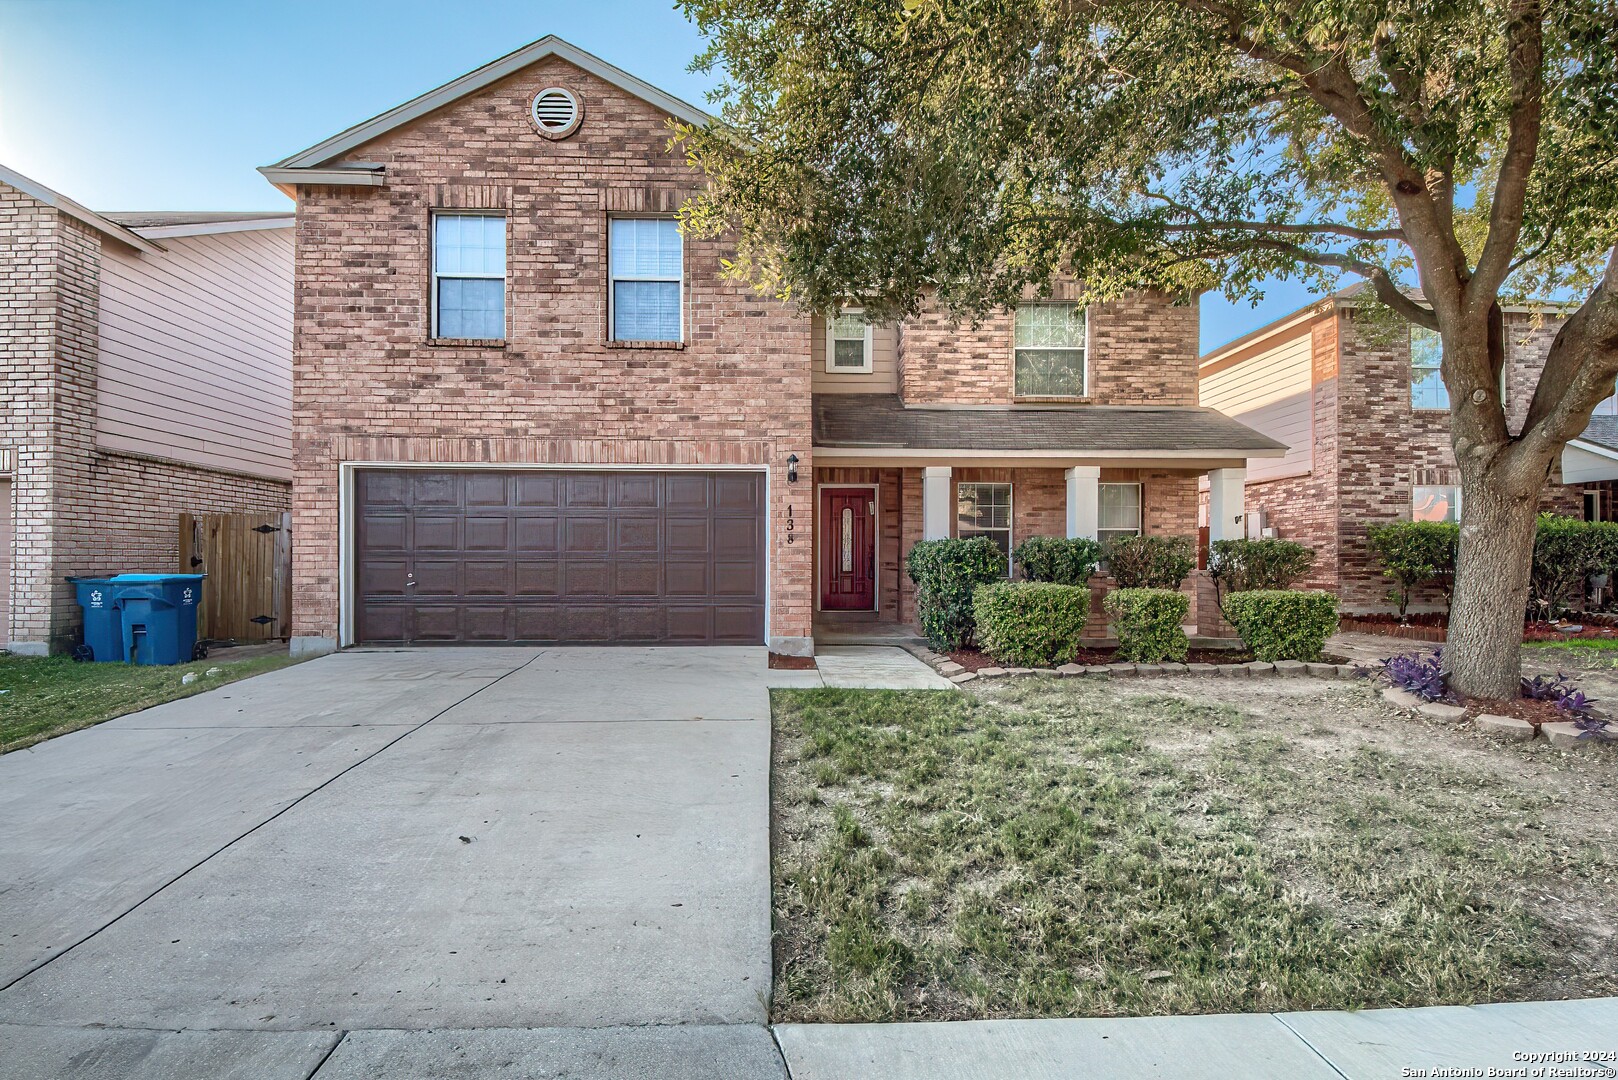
(1372, 1045)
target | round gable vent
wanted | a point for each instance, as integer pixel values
(557, 112)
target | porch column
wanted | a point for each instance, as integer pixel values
(1226, 504)
(937, 502)
(1084, 502)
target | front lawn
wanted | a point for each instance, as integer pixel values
(45, 696)
(1086, 847)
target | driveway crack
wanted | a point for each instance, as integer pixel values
(233, 842)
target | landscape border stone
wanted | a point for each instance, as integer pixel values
(956, 673)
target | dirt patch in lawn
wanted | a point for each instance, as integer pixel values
(1043, 847)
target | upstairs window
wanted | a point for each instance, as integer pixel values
(1049, 344)
(984, 510)
(469, 276)
(1607, 406)
(848, 344)
(647, 265)
(1119, 511)
(1427, 390)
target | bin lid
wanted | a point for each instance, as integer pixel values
(149, 578)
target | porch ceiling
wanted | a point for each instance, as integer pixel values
(880, 428)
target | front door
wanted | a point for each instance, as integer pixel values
(848, 549)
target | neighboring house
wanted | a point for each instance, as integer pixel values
(147, 364)
(1365, 418)
(528, 409)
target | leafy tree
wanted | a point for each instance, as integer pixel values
(970, 151)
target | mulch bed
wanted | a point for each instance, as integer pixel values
(973, 660)
(1433, 626)
(1535, 712)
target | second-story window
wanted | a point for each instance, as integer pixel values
(647, 265)
(1049, 349)
(469, 276)
(848, 343)
(1427, 390)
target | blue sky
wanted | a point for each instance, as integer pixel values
(165, 105)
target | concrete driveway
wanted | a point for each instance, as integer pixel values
(431, 862)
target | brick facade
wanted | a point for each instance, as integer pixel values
(556, 391)
(1371, 447)
(76, 509)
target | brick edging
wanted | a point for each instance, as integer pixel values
(957, 674)
(1563, 735)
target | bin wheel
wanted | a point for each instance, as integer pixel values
(83, 654)
(199, 651)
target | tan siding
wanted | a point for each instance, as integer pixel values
(196, 352)
(1270, 392)
(884, 375)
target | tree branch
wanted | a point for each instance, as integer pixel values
(1580, 368)
(1525, 60)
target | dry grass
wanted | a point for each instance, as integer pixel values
(1078, 847)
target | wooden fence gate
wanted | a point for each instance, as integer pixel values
(248, 560)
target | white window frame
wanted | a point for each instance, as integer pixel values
(435, 276)
(1140, 510)
(1084, 391)
(1454, 487)
(1588, 497)
(1011, 515)
(613, 277)
(831, 345)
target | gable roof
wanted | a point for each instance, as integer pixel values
(319, 164)
(56, 200)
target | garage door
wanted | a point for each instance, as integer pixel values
(541, 556)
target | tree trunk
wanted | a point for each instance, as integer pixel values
(1483, 654)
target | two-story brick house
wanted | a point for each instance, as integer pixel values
(148, 373)
(528, 409)
(1365, 418)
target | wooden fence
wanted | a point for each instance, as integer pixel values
(248, 560)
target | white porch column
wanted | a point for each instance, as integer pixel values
(1226, 489)
(937, 502)
(1084, 502)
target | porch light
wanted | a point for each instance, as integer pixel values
(792, 468)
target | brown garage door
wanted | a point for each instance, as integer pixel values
(542, 556)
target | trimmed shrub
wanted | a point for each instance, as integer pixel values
(946, 573)
(1150, 562)
(1245, 565)
(1413, 553)
(1030, 623)
(1567, 551)
(1056, 559)
(1147, 622)
(1280, 624)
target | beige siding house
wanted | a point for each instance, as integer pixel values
(148, 374)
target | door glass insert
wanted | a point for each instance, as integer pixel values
(848, 539)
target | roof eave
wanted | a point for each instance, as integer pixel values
(57, 201)
(287, 178)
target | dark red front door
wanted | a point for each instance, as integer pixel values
(848, 549)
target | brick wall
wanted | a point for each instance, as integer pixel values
(737, 392)
(1143, 351)
(77, 510)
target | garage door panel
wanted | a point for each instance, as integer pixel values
(487, 533)
(436, 578)
(436, 489)
(539, 578)
(558, 557)
(537, 535)
(436, 532)
(586, 535)
(481, 577)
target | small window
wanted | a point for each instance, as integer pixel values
(648, 268)
(1119, 511)
(1050, 350)
(984, 510)
(469, 276)
(1592, 504)
(848, 344)
(1439, 502)
(1427, 390)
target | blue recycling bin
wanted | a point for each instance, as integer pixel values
(158, 616)
(103, 621)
